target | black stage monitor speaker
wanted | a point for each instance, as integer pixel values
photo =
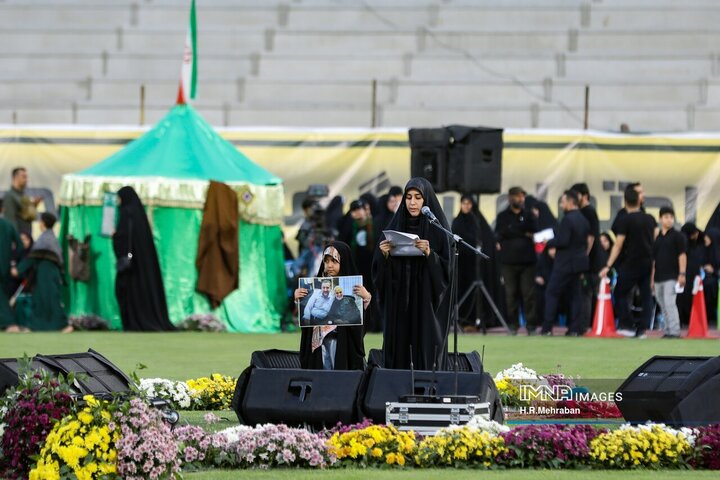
(98, 375)
(10, 368)
(475, 159)
(670, 389)
(467, 362)
(275, 359)
(701, 406)
(297, 397)
(429, 155)
(384, 385)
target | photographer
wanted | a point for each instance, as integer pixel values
(311, 237)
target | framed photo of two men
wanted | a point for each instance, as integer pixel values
(330, 301)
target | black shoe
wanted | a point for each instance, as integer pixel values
(572, 334)
(667, 335)
(546, 334)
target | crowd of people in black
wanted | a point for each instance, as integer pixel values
(542, 272)
(539, 269)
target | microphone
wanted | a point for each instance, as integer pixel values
(428, 213)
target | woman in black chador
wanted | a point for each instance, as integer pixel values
(413, 292)
(138, 285)
(334, 347)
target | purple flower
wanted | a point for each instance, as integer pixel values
(707, 448)
(548, 446)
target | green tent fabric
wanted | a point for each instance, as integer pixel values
(182, 146)
(170, 167)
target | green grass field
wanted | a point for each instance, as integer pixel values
(182, 356)
(187, 355)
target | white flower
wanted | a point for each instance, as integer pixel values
(233, 433)
(518, 372)
(3, 411)
(177, 392)
(690, 435)
(481, 423)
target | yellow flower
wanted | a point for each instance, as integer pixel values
(376, 452)
(85, 417)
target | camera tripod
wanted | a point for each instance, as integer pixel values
(478, 287)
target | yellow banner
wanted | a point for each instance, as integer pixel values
(678, 170)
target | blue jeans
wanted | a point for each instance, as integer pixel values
(329, 346)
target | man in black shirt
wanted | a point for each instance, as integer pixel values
(590, 280)
(637, 186)
(571, 261)
(670, 260)
(635, 236)
(514, 229)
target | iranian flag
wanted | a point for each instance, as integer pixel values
(188, 73)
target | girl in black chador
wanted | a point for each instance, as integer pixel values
(334, 347)
(413, 291)
(138, 285)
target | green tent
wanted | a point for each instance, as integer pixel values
(170, 167)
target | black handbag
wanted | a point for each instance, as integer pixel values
(124, 263)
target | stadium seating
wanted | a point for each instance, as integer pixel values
(649, 63)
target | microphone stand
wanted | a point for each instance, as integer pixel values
(454, 314)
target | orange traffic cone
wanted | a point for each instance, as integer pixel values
(604, 319)
(698, 315)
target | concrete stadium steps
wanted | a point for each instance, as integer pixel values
(233, 14)
(705, 118)
(35, 91)
(648, 40)
(508, 16)
(349, 66)
(630, 15)
(712, 92)
(536, 116)
(372, 15)
(128, 39)
(638, 95)
(34, 39)
(165, 65)
(48, 64)
(304, 14)
(341, 66)
(632, 65)
(217, 114)
(400, 92)
(72, 14)
(292, 91)
(453, 66)
(531, 115)
(38, 91)
(38, 39)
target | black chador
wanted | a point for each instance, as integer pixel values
(413, 291)
(139, 289)
(350, 351)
